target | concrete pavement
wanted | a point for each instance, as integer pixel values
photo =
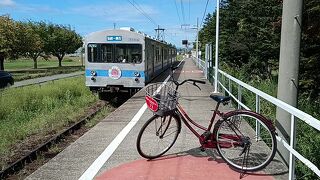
(102, 153)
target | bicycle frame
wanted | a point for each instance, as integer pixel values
(231, 131)
(202, 139)
(207, 139)
(210, 142)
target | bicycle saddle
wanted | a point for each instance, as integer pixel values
(220, 99)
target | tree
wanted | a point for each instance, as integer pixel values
(36, 40)
(249, 40)
(28, 41)
(7, 38)
(249, 44)
(310, 49)
(61, 41)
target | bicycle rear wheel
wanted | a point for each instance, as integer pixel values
(158, 135)
(240, 145)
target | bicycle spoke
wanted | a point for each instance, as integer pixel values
(157, 136)
(239, 145)
(168, 134)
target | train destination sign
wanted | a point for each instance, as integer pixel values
(114, 38)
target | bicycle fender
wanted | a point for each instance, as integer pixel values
(265, 120)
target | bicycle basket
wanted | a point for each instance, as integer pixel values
(161, 98)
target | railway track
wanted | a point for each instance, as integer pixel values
(19, 164)
(32, 155)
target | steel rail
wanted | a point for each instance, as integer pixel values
(19, 164)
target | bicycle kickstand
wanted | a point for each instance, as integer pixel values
(244, 162)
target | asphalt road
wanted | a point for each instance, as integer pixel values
(45, 79)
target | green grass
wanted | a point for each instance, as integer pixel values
(307, 138)
(22, 69)
(24, 64)
(30, 74)
(268, 86)
(100, 115)
(179, 57)
(40, 110)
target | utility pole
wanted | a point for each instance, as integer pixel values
(197, 44)
(114, 25)
(217, 49)
(288, 73)
(160, 33)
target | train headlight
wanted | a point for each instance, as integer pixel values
(93, 73)
(136, 74)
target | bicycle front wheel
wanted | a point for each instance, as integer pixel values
(241, 144)
(158, 135)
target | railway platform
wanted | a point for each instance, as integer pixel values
(108, 150)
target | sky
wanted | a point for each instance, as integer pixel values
(95, 15)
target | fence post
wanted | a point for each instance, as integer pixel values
(206, 62)
(212, 67)
(239, 96)
(257, 122)
(292, 145)
(223, 81)
(230, 88)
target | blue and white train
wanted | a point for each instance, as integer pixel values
(124, 60)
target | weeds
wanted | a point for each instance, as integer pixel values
(40, 110)
(307, 138)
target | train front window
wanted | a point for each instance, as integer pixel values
(93, 53)
(106, 52)
(128, 53)
(114, 53)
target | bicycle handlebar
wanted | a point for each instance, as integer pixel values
(192, 80)
(198, 81)
(179, 84)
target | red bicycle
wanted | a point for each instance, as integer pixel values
(232, 135)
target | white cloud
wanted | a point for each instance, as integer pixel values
(4, 3)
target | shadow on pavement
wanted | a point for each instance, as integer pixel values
(214, 156)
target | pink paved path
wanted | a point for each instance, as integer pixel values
(181, 167)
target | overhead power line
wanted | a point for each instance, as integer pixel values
(169, 36)
(204, 14)
(144, 11)
(175, 3)
(189, 11)
(182, 10)
(135, 5)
